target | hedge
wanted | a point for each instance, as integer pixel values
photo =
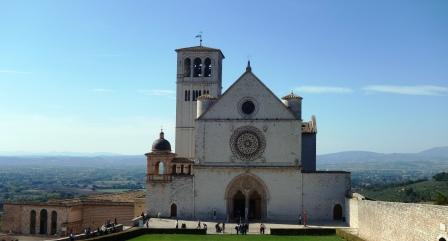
(135, 232)
(348, 236)
(303, 231)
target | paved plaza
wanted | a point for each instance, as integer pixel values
(254, 228)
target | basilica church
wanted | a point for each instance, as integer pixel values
(242, 154)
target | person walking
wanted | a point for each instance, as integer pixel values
(304, 219)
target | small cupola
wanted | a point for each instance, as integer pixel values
(294, 103)
(161, 145)
(204, 102)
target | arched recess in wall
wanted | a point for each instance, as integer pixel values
(33, 222)
(337, 212)
(173, 210)
(43, 222)
(54, 222)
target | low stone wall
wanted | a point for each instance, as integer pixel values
(135, 232)
(303, 231)
(393, 221)
(83, 236)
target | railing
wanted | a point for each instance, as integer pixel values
(94, 233)
(158, 178)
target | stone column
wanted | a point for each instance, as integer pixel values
(246, 204)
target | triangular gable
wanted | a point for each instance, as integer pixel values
(248, 86)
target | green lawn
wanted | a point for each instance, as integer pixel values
(190, 237)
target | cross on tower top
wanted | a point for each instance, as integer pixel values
(200, 38)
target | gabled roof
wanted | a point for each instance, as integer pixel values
(247, 72)
(200, 49)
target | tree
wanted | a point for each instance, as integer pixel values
(443, 176)
(441, 199)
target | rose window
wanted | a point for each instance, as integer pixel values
(247, 143)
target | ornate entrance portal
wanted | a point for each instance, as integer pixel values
(246, 197)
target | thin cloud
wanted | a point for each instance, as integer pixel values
(102, 90)
(158, 92)
(408, 90)
(323, 89)
(8, 71)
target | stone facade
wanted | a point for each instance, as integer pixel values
(61, 217)
(393, 221)
(243, 150)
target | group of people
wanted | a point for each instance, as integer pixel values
(106, 228)
(242, 228)
(182, 226)
(219, 228)
(204, 225)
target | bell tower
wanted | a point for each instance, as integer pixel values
(199, 72)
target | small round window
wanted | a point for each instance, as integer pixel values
(248, 107)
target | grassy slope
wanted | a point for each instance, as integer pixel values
(186, 237)
(417, 192)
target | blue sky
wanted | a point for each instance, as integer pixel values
(99, 76)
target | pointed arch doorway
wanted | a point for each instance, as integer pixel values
(173, 210)
(246, 197)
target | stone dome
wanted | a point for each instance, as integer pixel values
(291, 96)
(161, 144)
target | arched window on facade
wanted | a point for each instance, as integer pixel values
(187, 67)
(181, 169)
(189, 169)
(33, 222)
(207, 67)
(197, 67)
(43, 222)
(159, 168)
(173, 169)
(54, 222)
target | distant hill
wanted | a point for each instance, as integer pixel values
(75, 161)
(432, 160)
(421, 191)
